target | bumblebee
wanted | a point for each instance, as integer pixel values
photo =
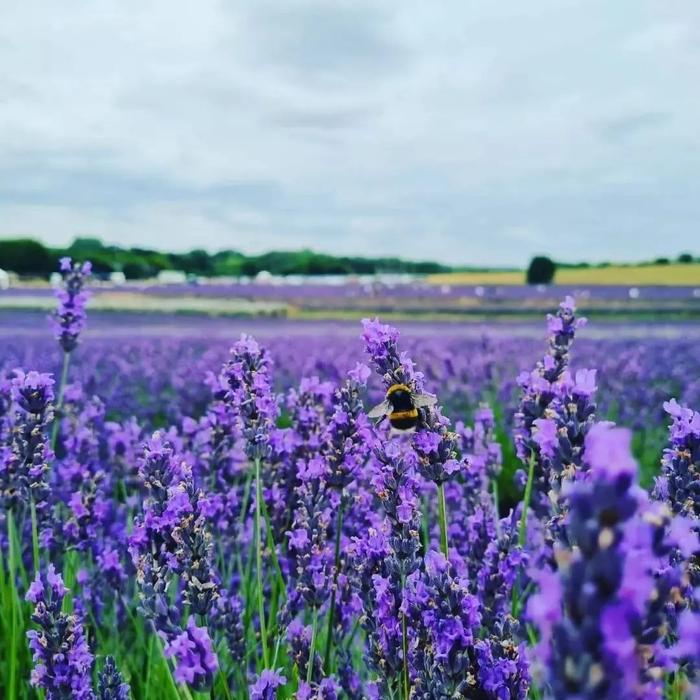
(401, 406)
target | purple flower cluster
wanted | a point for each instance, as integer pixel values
(69, 319)
(62, 659)
(195, 660)
(554, 412)
(451, 656)
(285, 546)
(679, 483)
(110, 684)
(379, 586)
(250, 395)
(265, 686)
(24, 463)
(603, 613)
(172, 539)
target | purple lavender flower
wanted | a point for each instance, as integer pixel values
(193, 653)
(601, 618)
(62, 659)
(377, 580)
(555, 412)
(450, 656)
(348, 432)
(250, 395)
(266, 684)
(172, 539)
(69, 319)
(110, 683)
(24, 466)
(327, 689)
(679, 483)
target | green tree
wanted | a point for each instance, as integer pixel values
(541, 270)
(26, 257)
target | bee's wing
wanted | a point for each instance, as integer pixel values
(380, 410)
(424, 400)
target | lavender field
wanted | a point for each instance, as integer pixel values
(190, 512)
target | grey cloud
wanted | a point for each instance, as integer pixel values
(633, 124)
(470, 132)
(334, 41)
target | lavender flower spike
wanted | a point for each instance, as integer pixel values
(24, 467)
(679, 483)
(250, 395)
(603, 617)
(111, 685)
(69, 319)
(62, 659)
(266, 684)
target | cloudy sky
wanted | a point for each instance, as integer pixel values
(474, 132)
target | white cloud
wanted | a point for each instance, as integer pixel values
(463, 131)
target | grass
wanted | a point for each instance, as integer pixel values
(639, 275)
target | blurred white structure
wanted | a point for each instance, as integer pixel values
(171, 277)
(4, 279)
(118, 278)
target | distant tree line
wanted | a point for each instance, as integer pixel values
(29, 257)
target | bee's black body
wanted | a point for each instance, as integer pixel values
(404, 414)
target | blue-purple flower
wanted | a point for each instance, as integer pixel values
(69, 319)
(62, 658)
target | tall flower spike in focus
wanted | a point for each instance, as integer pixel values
(69, 319)
(250, 395)
(62, 659)
(254, 406)
(536, 436)
(435, 445)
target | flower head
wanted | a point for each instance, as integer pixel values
(69, 319)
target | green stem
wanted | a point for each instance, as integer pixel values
(425, 525)
(496, 511)
(59, 399)
(312, 648)
(168, 672)
(404, 641)
(14, 611)
(442, 506)
(404, 644)
(259, 563)
(35, 537)
(522, 535)
(277, 651)
(334, 588)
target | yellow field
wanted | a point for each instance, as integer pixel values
(673, 274)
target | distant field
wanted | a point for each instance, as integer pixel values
(674, 274)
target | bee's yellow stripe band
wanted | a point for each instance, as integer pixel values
(398, 415)
(397, 387)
